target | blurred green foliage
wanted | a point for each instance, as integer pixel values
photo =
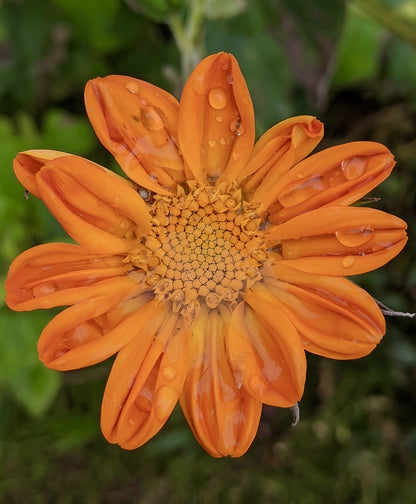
(353, 64)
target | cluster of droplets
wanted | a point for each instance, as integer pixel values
(205, 246)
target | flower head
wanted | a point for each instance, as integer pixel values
(215, 268)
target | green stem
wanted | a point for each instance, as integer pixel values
(389, 18)
(189, 36)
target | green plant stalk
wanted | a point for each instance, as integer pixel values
(189, 36)
(388, 18)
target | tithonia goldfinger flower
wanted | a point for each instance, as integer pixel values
(212, 271)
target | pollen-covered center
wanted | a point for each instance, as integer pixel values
(205, 246)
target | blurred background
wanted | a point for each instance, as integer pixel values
(350, 63)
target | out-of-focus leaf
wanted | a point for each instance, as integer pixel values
(67, 132)
(217, 9)
(22, 375)
(359, 50)
(309, 33)
(93, 19)
(402, 66)
(158, 10)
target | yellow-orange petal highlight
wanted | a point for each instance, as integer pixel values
(137, 123)
(218, 139)
(211, 272)
(278, 150)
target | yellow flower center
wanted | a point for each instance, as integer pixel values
(205, 246)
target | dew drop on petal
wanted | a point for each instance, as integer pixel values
(302, 192)
(132, 86)
(230, 79)
(151, 119)
(354, 237)
(217, 98)
(218, 118)
(166, 398)
(354, 167)
(236, 127)
(44, 289)
(348, 261)
(132, 422)
(212, 143)
(169, 373)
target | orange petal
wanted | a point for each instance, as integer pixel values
(137, 122)
(145, 381)
(27, 164)
(336, 176)
(277, 151)
(58, 274)
(216, 119)
(339, 240)
(334, 317)
(94, 329)
(94, 207)
(222, 415)
(266, 349)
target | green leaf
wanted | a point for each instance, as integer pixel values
(359, 50)
(22, 375)
(309, 34)
(217, 9)
(158, 10)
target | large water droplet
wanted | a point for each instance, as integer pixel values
(236, 127)
(132, 86)
(217, 98)
(151, 119)
(44, 289)
(302, 192)
(166, 398)
(354, 167)
(348, 261)
(354, 237)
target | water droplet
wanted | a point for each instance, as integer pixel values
(236, 155)
(151, 119)
(236, 127)
(217, 98)
(169, 373)
(300, 175)
(348, 261)
(230, 79)
(302, 192)
(212, 143)
(218, 118)
(354, 237)
(44, 289)
(354, 167)
(223, 141)
(166, 398)
(132, 86)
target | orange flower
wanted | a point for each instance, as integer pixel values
(212, 272)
